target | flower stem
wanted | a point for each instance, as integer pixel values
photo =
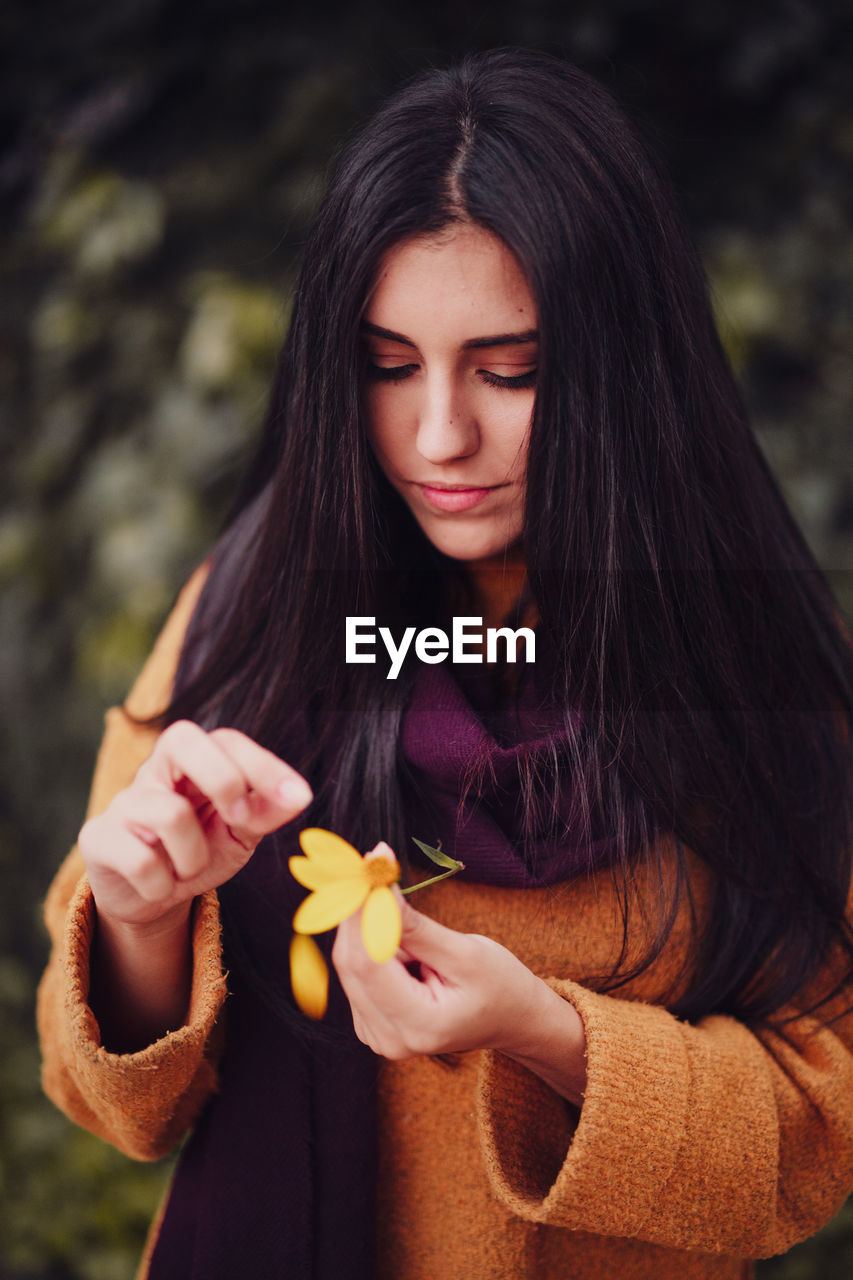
(434, 879)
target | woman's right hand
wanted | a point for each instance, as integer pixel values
(188, 822)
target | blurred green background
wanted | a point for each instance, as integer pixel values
(159, 165)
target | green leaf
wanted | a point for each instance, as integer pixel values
(439, 858)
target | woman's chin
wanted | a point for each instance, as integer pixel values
(468, 545)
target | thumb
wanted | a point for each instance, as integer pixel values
(426, 940)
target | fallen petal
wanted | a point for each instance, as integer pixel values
(309, 976)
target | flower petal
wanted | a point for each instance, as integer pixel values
(330, 905)
(309, 976)
(381, 925)
(336, 855)
(314, 874)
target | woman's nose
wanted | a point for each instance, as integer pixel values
(447, 424)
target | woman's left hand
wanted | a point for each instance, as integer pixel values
(447, 992)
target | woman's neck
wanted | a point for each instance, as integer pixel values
(498, 582)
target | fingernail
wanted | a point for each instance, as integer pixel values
(294, 791)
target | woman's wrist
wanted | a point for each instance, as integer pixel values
(141, 975)
(550, 1040)
(173, 921)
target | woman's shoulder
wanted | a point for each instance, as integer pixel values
(152, 688)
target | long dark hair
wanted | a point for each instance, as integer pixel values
(690, 621)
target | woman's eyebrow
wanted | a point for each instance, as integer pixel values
(504, 339)
(494, 340)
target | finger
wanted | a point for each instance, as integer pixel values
(186, 754)
(139, 861)
(359, 1027)
(277, 793)
(434, 945)
(373, 1021)
(172, 822)
(388, 987)
(250, 787)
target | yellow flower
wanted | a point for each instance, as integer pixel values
(342, 881)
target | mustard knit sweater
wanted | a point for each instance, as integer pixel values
(697, 1147)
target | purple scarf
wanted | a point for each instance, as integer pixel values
(277, 1180)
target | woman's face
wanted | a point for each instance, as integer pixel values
(450, 336)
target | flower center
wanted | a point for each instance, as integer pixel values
(382, 870)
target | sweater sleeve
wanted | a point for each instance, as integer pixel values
(142, 1102)
(706, 1137)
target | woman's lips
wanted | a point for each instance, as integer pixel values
(454, 499)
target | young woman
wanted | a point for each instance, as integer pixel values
(619, 1042)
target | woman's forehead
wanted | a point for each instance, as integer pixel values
(459, 280)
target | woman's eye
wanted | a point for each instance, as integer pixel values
(388, 373)
(518, 382)
(397, 372)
